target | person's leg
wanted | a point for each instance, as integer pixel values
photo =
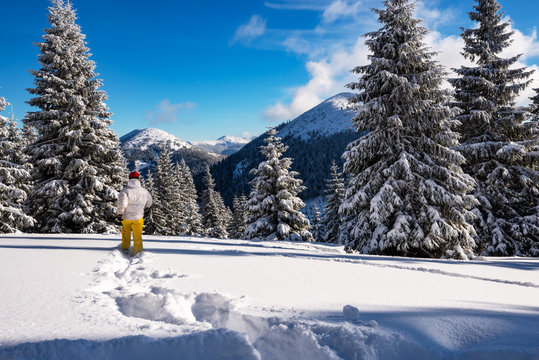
(137, 235)
(126, 234)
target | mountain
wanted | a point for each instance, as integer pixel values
(314, 140)
(329, 117)
(142, 147)
(226, 145)
(142, 139)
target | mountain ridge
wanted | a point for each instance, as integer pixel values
(314, 140)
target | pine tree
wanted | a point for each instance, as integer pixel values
(534, 108)
(213, 219)
(169, 206)
(28, 136)
(192, 220)
(154, 220)
(274, 206)
(332, 219)
(500, 147)
(239, 221)
(225, 213)
(407, 192)
(78, 168)
(181, 211)
(13, 181)
(317, 225)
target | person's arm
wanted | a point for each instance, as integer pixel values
(149, 200)
(122, 203)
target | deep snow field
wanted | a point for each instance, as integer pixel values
(78, 297)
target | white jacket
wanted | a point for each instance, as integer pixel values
(132, 200)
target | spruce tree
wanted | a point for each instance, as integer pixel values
(274, 207)
(181, 211)
(500, 146)
(214, 218)
(78, 168)
(239, 221)
(317, 225)
(407, 192)
(166, 184)
(13, 181)
(225, 213)
(332, 219)
(534, 107)
(154, 220)
(192, 220)
(28, 136)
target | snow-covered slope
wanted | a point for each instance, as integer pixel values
(226, 145)
(77, 297)
(329, 117)
(143, 138)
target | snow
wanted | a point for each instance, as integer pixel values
(77, 297)
(332, 116)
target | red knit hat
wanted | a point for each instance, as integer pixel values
(134, 175)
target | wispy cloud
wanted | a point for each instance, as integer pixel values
(167, 113)
(315, 5)
(246, 33)
(433, 16)
(338, 9)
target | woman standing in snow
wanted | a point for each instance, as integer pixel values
(132, 201)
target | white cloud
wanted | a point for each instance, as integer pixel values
(432, 16)
(251, 30)
(338, 9)
(328, 77)
(169, 113)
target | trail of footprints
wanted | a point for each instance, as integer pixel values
(139, 291)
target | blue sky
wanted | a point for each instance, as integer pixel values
(201, 70)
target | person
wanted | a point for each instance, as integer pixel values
(132, 201)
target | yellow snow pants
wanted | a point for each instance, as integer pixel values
(136, 227)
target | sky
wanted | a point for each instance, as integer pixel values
(201, 70)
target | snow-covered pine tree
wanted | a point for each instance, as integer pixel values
(17, 153)
(332, 219)
(317, 226)
(13, 181)
(500, 146)
(181, 211)
(169, 206)
(407, 192)
(226, 213)
(28, 135)
(192, 221)
(534, 108)
(239, 221)
(213, 217)
(274, 207)
(78, 169)
(154, 221)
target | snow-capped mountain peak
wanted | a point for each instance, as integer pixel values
(143, 138)
(329, 117)
(225, 145)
